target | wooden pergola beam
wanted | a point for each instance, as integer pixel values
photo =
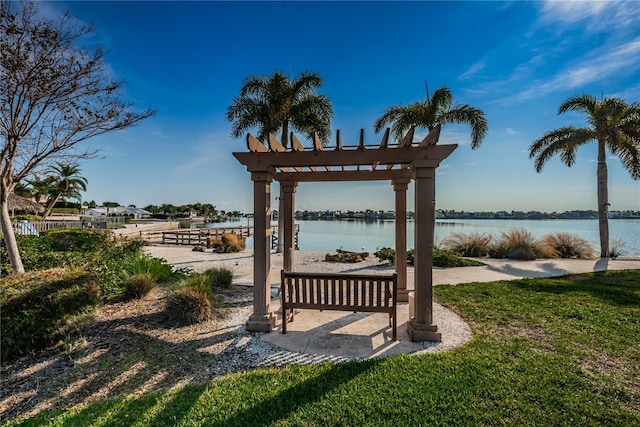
(427, 155)
(347, 175)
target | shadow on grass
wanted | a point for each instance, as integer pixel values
(289, 400)
(620, 287)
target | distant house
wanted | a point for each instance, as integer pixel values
(136, 213)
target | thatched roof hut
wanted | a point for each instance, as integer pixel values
(20, 204)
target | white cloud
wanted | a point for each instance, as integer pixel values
(600, 64)
(593, 16)
(207, 149)
(473, 70)
(511, 131)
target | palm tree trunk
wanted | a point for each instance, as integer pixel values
(603, 202)
(285, 134)
(8, 233)
(284, 141)
(50, 204)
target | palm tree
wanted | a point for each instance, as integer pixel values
(40, 187)
(615, 125)
(276, 103)
(67, 183)
(436, 109)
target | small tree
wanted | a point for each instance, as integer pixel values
(67, 183)
(53, 96)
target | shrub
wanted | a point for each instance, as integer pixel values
(82, 239)
(386, 254)
(189, 306)
(107, 265)
(219, 277)
(139, 285)
(38, 253)
(448, 259)
(228, 243)
(565, 245)
(38, 306)
(441, 258)
(516, 243)
(139, 263)
(617, 248)
(471, 245)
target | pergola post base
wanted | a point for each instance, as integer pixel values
(403, 295)
(261, 322)
(423, 332)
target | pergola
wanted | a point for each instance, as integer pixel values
(399, 163)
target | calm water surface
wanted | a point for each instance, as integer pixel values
(369, 235)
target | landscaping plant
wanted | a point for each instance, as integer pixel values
(565, 245)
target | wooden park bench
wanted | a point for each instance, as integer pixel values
(335, 291)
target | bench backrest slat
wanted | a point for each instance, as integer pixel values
(335, 291)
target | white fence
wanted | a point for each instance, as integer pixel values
(36, 227)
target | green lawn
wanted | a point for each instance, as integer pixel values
(555, 352)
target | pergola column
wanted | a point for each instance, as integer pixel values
(288, 193)
(421, 327)
(262, 319)
(400, 187)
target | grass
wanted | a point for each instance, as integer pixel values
(546, 352)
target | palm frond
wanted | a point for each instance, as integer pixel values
(563, 141)
(441, 100)
(581, 103)
(474, 117)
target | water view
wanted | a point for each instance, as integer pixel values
(360, 235)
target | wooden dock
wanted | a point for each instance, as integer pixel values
(201, 236)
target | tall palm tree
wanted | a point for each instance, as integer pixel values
(436, 109)
(276, 103)
(615, 126)
(67, 183)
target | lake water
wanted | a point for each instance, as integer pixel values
(369, 235)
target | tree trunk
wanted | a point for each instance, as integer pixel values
(50, 204)
(285, 143)
(9, 235)
(603, 203)
(285, 134)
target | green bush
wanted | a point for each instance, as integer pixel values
(107, 265)
(138, 285)
(441, 258)
(37, 306)
(221, 277)
(66, 211)
(82, 239)
(386, 254)
(139, 263)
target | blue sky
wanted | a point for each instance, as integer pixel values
(517, 61)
